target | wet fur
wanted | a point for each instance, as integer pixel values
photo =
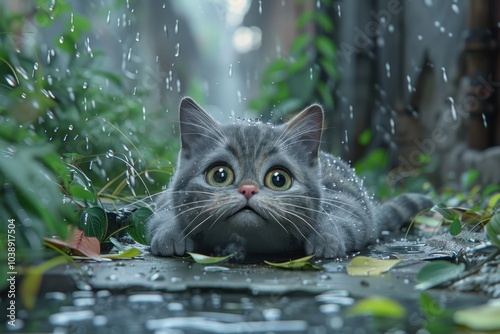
(326, 212)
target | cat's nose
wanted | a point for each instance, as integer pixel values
(248, 190)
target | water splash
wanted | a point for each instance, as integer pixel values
(453, 110)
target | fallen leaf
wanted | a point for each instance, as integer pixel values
(481, 318)
(205, 259)
(79, 244)
(30, 284)
(493, 230)
(379, 307)
(437, 272)
(302, 263)
(128, 254)
(366, 266)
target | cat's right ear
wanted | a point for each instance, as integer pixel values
(196, 125)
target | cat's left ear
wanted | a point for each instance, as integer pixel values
(305, 129)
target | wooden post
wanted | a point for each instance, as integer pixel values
(480, 46)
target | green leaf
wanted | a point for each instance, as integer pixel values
(379, 307)
(468, 178)
(455, 227)
(138, 227)
(365, 137)
(93, 222)
(493, 230)
(366, 266)
(480, 318)
(436, 273)
(128, 254)
(429, 306)
(299, 43)
(494, 200)
(304, 19)
(205, 259)
(303, 263)
(444, 211)
(324, 21)
(325, 47)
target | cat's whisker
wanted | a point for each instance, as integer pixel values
(294, 225)
(192, 230)
(331, 202)
(323, 211)
(217, 219)
(275, 219)
(304, 220)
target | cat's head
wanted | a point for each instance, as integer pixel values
(251, 185)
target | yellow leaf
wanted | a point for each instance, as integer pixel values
(366, 266)
(128, 254)
(481, 318)
(33, 278)
(379, 307)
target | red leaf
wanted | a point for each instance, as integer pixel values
(78, 243)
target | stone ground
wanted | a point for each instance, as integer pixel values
(171, 295)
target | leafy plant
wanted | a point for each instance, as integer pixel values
(307, 73)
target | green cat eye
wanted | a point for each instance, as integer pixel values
(220, 176)
(278, 179)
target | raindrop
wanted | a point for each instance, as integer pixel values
(11, 80)
(165, 30)
(50, 114)
(145, 298)
(260, 6)
(177, 49)
(110, 154)
(339, 11)
(318, 4)
(137, 37)
(176, 28)
(455, 8)
(61, 39)
(157, 277)
(71, 93)
(388, 70)
(230, 70)
(85, 85)
(49, 79)
(108, 18)
(129, 55)
(178, 86)
(445, 77)
(408, 80)
(485, 122)
(437, 24)
(390, 28)
(393, 126)
(310, 73)
(143, 113)
(70, 127)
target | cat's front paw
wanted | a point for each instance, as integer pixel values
(326, 246)
(169, 244)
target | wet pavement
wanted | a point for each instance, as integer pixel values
(172, 295)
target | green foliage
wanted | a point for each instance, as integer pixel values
(438, 272)
(69, 132)
(307, 73)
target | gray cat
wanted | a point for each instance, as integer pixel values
(259, 188)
